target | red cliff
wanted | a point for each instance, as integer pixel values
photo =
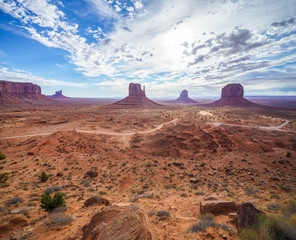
(14, 92)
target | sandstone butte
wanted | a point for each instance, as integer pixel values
(136, 97)
(232, 95)
(58, 94)
(184, 98)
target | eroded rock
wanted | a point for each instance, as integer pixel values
(217, 207)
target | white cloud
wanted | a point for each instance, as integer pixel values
(17, 75)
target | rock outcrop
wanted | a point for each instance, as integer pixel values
(183, 98)
(58, 95)
(96, 200)
(15, 92)
(117, 223)
(217, 207)
(232, 95)
(247, 216)
(12, 222)
(136, 97)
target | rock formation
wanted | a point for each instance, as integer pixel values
(14, 92)
(57, 95)
(136, 97)
(232, 95)
(115, 223)
(217, 207)
(183, 98)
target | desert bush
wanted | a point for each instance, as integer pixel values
(288, 154)
(273, 206)
(289, 209)
(207, 216)
(52, 189)
(44, 177)
(2, 156)
(15, 200)
(250, 191)
(163, 213)
(60, 219)
(271, 228)
(48, 203)
(3, 177)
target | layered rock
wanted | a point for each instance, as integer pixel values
(57, 95)
(13, 92)
(217, 207)
(183, 98)
(136, 96)
(232, 95)
(117, 223)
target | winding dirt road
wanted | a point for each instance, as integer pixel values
(273, 128)
(95, 132)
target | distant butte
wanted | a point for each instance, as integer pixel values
(58, 95)
(183, 98)
(136, 97)
(17, 92)
(233, 95)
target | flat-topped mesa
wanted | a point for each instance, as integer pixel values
(19, 88)
(233, 90)
(136, 97)
(232, 95)
(17, 92)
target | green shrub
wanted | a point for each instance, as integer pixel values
(289, 209)
(288, 154)
(48, 203)
(44, 177)
(2, 156)
(3, 177)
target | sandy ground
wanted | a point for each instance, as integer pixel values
(239, 154)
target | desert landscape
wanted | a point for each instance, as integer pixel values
(136, 169)
(147, 120)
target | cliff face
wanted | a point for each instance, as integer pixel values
(136, 97)
(16, 92)
(233, 90)
(19, 88)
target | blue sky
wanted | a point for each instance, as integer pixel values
(95, 48)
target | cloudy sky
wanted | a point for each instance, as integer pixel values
(94, 48)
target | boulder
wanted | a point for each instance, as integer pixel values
(247, 216)
(90, 174)
(217, 207)
(114, 223)
(96, 201)
(136, 97)
(12, 222)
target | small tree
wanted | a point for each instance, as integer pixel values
(48, 203)
(44, 177)
(288, 154)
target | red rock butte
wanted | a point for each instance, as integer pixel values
(232, 95)
(184, 98)
(58, 94)
(11, 92)
(136, 97)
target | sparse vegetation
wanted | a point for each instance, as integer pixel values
(48, 203)
(288, 154)
(2, 156)
(60, 219)
(13, 201)
(44, 177)
(3, 177)
(163, 214)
